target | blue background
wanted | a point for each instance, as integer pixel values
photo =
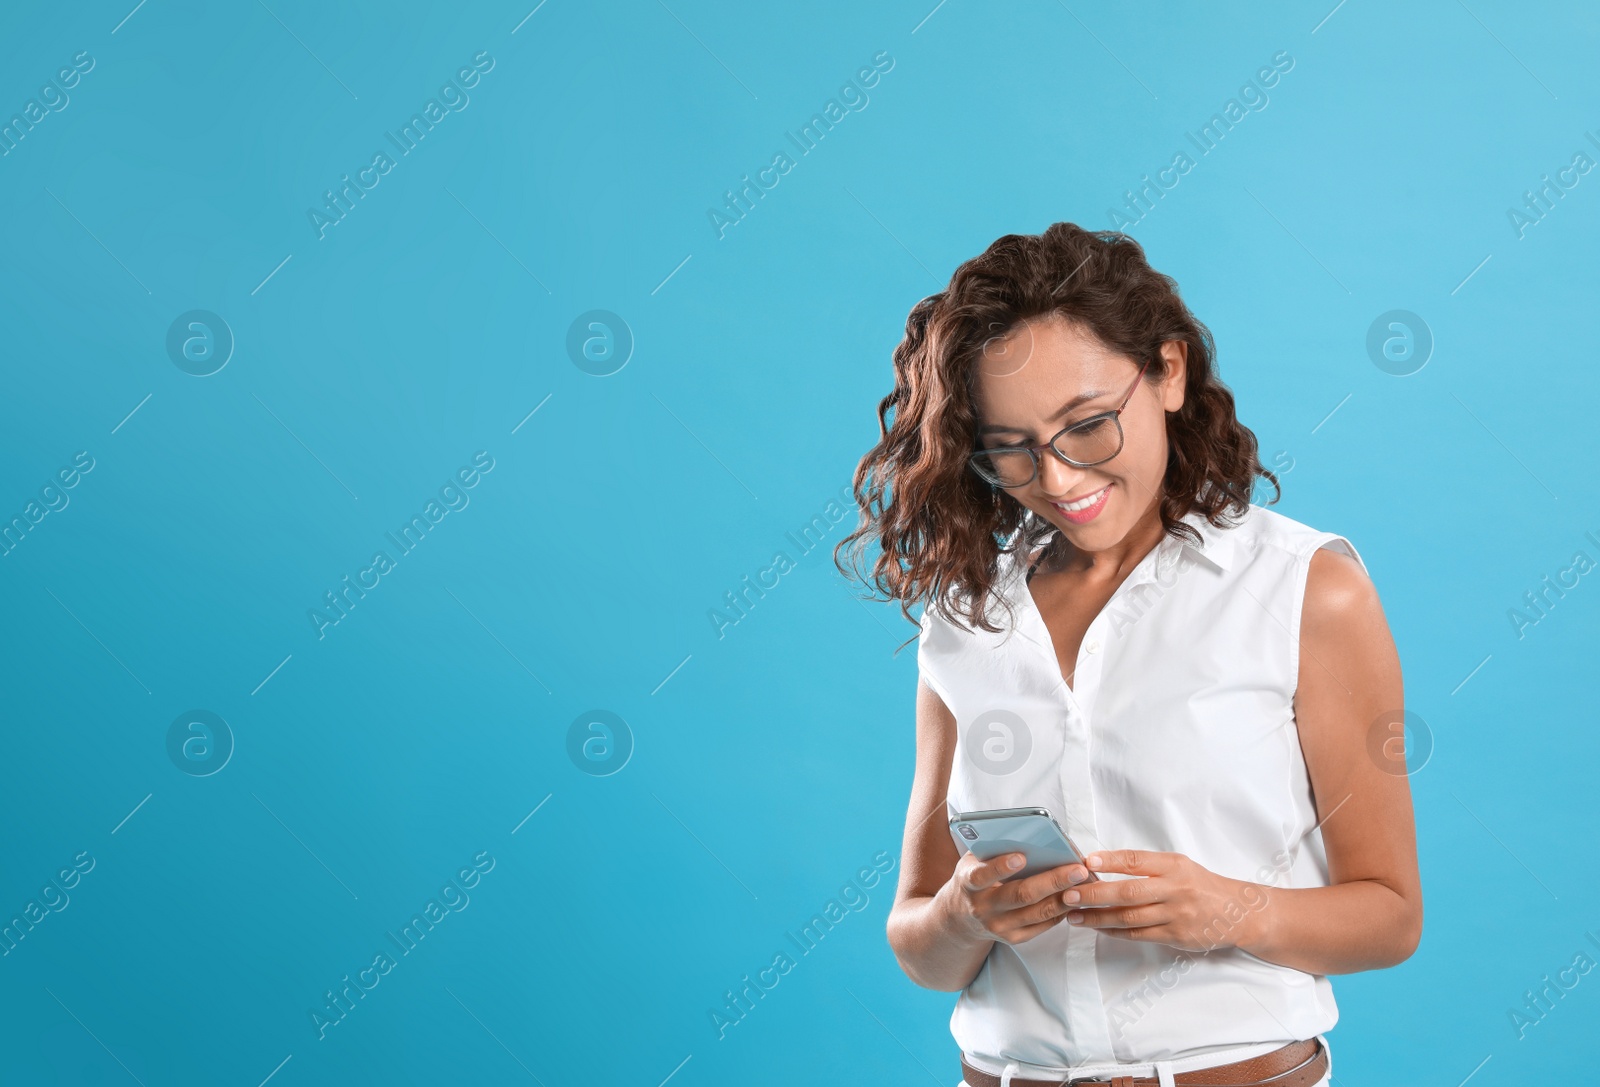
(771, 763)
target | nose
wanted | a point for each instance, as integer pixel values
(1056, 477)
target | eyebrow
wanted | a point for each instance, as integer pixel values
(1081, 398)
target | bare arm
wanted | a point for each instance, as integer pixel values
(924, 943)
(950, 909)
(1349, 687)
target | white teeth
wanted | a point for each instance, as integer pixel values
(1082, 503)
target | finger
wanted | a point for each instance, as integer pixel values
(1042, 885)
(1048, 908)
(1028, 932)
(1137, 862)
(1157, 934)
(1119, 917)
(980, 873)
(1116, 892)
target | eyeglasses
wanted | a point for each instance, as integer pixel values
(1083, 444)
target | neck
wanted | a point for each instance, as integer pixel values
(1114, 562)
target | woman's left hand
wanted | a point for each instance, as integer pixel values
(1178, 902)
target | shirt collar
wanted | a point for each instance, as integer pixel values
(1216, 545)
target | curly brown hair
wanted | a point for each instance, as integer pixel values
(942, 528)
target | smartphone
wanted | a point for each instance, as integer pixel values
(1030, 831)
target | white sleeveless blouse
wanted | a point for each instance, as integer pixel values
(1178, 735)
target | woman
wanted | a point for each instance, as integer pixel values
(1202, 692)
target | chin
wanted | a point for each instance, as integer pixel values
(1104, 531)
(1094, 536)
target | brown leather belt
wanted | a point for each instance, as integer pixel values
(1298, 1064)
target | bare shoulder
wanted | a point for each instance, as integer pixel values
(1348, 647)
(1340, 597)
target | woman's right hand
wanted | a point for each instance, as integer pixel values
(984, 908)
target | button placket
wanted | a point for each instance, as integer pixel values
(1084, 998)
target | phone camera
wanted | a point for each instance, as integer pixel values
(968, 832)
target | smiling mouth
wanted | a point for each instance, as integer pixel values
(1083, 510)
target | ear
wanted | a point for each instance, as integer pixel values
(1175, 353)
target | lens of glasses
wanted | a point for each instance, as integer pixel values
(1007, 467)
(1095, 440)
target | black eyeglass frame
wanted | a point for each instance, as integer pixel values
(1115, 415)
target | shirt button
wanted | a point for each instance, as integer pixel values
(1092, 645)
